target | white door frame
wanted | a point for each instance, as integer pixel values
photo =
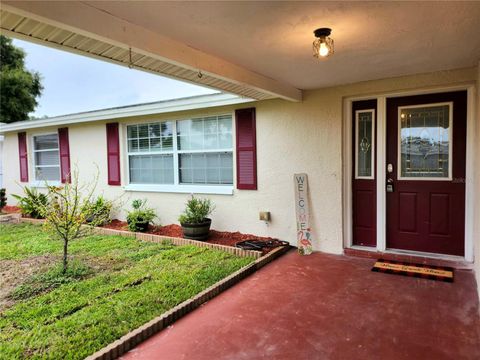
(381, 168)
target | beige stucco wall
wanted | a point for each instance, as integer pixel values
(476, 235)
(291, 137)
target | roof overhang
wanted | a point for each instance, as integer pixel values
(161, 107)
(83, 29)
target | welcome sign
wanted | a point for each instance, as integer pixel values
(304, 239)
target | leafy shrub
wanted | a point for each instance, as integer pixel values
(32, 203)
(196, 210)
(140, 217)
(98, 210)
(3, 199)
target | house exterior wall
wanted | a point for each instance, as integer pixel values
(476, 235)
(1, 161)
(291, 138)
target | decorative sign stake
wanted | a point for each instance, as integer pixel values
(304, 240)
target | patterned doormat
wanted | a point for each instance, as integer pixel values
(440, 273)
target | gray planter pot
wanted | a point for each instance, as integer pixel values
(198, 231)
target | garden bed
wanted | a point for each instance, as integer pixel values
(225, 238)
(115, 285)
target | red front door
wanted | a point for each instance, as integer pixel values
(426, 148)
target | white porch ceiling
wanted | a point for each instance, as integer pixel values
(271, 41)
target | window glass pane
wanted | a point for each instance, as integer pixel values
(210, 141)
(210, 125)
(151, 169)
(45, 142)
(166, 128)
(364, 143)
(224, 124)
(425, 141)
(154, 137)
(143, 145)
(132, 131)
(132, 145)
(167, 143)
(154, 130)
(210, 133)
(47, 173)
(50, 157)
(225, 141)
(206, 168)
(155, 144)
(143, 131)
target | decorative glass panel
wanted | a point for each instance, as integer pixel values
(364, 143)
(151, 169)
(425, 141)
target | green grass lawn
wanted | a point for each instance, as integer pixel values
(114, 285)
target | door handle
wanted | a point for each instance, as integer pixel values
(390, 185)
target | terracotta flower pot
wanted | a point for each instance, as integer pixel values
(199, 231)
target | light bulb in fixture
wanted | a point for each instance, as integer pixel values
(324, 50)
(323, 44)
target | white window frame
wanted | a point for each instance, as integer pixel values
(177, 187)
(357, 119)
(450, 144)
(38, 182)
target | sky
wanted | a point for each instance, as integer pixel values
(74, 83)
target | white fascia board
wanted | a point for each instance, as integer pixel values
(169, 106)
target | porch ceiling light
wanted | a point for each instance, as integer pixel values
(323, 44)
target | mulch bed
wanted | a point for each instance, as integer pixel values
(10, 209)
(216, 237)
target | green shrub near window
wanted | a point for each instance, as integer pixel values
(31, 204)
(98, 211)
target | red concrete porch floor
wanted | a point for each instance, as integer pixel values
(327, 307)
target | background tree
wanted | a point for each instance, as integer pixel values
(19, 88)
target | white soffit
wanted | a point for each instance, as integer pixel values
(18, 23)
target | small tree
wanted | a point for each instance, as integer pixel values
(67, 211)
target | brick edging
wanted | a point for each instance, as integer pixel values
(12, 218)
(159, 238)
(135, 337)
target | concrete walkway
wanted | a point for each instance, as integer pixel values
(327, 307)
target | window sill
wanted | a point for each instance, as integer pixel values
(185, 189)
(44, 184)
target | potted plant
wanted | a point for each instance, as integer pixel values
(194, 220)
(140, 217)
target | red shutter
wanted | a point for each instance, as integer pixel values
(246, 149)
(113, 154)
(64, 146)
(22, 153)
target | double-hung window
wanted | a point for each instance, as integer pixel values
(182, 154)
(46, 157)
